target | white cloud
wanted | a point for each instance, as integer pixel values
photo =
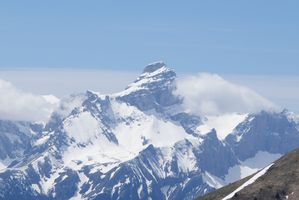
(63, 82)
(282, 90)
(21, 106)
(210, 94)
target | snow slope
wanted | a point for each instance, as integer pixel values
(223, 124)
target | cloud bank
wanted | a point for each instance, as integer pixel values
(63, 82)
(21, 106)
(210, 94)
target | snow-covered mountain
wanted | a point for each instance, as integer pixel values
(137, 144)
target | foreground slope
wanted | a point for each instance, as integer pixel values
(280, 181)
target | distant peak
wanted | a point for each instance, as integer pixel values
(154, 66)
(156, 76)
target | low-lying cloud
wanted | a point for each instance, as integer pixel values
(210, 94)
(21, 106)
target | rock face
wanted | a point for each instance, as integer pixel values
(136, 144)
(16, 137)
(271, 132)
(152, 89)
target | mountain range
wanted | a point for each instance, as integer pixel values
(139, 143)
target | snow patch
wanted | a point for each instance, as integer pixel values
(250, 166)
(142, 80)
(102, 155)
(83, 179)
(2, 166)
(5, 163)
(42, 140)
(250, 181)
(82, 128)
(223, 124)
(135, 135)
(47, 184)
(140, 191)
(213, 181)
(186, 160)
(36, 188)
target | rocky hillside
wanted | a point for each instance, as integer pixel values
(280, 181)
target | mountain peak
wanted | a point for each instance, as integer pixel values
(156, 76)
(154, 66)
(152, 89)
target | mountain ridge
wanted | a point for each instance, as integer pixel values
(139, 144)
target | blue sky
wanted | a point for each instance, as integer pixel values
(250, 42)
(239, 37)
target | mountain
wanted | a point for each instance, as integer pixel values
(277, 181)
(15, 139)
(139, 144)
